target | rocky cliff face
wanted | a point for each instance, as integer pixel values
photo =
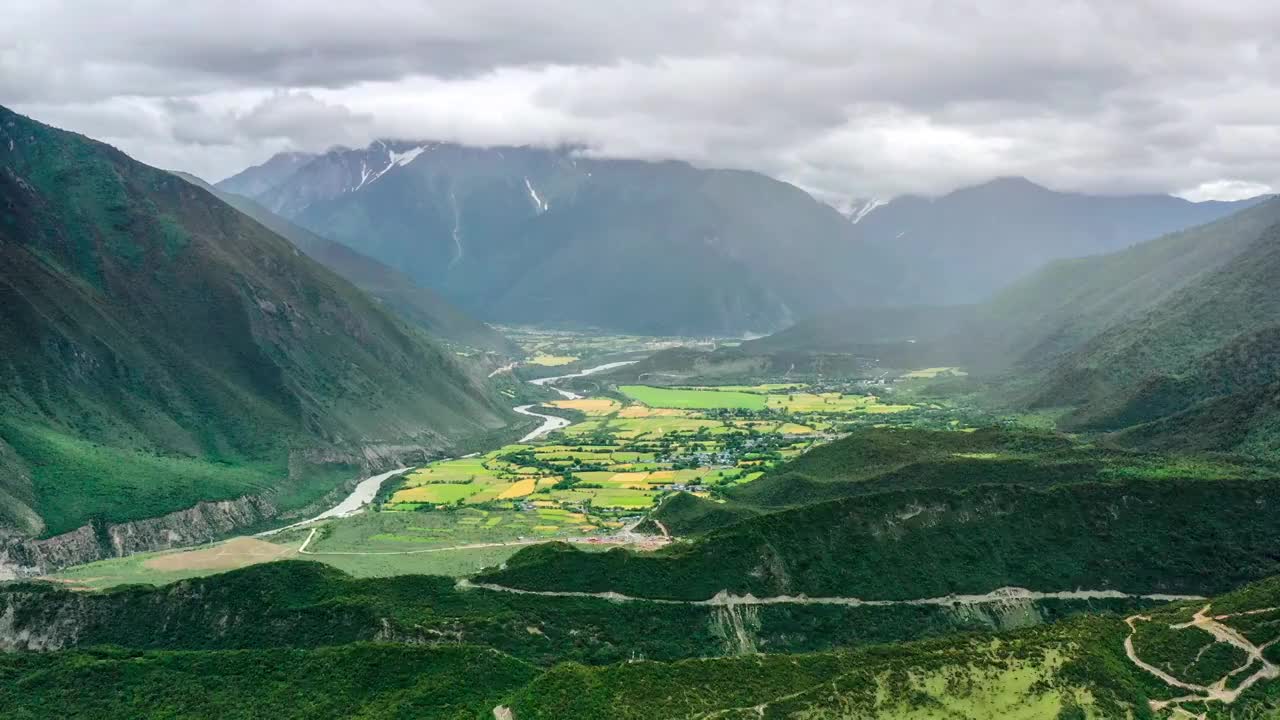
(205, 522)
(29, 622)
(22, 556)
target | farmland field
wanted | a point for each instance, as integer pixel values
(552, 360)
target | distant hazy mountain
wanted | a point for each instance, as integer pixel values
(530, 235)
(419, 305)
(261, 178)
(963, 246)
(162, 349)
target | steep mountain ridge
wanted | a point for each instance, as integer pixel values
(259, 179)
(415, 303)
(164, 349)
(1212, 341)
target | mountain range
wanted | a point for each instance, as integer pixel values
(528, 235)
(523, 235)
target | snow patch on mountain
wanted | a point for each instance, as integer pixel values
(394, 159)
(538, 203)
(856, 210)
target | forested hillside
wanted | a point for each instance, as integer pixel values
(163, 349)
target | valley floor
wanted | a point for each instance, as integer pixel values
(759, 540)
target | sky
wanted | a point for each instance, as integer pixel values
(845, 99)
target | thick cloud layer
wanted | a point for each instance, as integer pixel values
(847, 99)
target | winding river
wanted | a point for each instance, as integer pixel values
(551, 381)
(363, 494)
(367, 489)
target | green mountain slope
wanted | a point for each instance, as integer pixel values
(163, 349)
(1143, 536)
(419, 305)
(306, 605)
(365, 681)
(1214, 337)
(1079, 667)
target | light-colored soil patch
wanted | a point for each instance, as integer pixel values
(235, 553)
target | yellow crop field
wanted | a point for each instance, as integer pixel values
(551, 360)
(630, 479)
(518, 489)
(590, 406)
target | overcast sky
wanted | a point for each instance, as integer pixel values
(846, 99)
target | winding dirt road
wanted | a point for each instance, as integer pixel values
(725, 598)
(1217, 691)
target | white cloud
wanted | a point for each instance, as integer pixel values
(1226, 190)
(857, 99)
